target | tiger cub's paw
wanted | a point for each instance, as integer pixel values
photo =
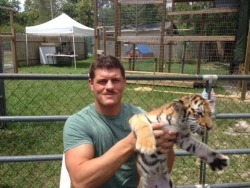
(146, 145)
(145, 140)
(219, 161)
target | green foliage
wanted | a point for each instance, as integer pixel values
(139, 15)
(69, 9)
(85, 12)
(4, 14)
(206, 24)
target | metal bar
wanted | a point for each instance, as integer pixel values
(64, 117)
(30, 158)
(33, 118)
(44, 76)
(129, 77)
(231, 115)
(223, 151)
(224, 185)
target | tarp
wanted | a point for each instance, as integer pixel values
(62, 25)
(141, 50)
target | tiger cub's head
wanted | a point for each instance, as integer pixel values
(196, 112)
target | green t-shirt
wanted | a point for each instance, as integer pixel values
(90, 127)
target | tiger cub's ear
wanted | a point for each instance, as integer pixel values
(178, 105)
(211, 105)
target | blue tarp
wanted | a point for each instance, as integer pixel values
(142, 48)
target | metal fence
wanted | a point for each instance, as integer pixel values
(34, 107)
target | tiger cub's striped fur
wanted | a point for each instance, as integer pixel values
(189, 114)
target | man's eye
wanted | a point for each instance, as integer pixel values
(102, 82)
(116, 81)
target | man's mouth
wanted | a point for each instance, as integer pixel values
(110, 93)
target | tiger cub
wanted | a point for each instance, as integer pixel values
(189, 114)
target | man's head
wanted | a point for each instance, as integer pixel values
(106, 62)
(107, 81)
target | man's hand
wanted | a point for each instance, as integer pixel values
(164, 138)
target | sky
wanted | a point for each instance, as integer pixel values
(22, 3)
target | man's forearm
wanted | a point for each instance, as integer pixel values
(94, 172)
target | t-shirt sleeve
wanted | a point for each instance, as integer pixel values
(137, 109)
(76, 132)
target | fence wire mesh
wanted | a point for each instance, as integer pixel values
(64, 97)
(176, 33)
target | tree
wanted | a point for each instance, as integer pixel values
(85, 12)
(81, 11)
(4, 14)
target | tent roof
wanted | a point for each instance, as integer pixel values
(61, 25)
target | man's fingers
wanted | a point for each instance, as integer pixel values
(158, 133)
(156, 126)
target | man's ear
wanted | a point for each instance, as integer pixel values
(125, 81)
(90, 82)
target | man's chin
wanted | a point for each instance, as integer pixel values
(110, 102)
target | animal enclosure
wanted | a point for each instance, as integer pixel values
(179, 32)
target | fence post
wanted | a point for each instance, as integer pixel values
(246, 65)
(2, 90)
(202, 181)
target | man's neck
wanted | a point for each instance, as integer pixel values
(108, 110)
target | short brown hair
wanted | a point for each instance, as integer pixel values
(105, 62)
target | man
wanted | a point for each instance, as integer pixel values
(98, 143)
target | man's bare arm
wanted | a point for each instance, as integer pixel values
(87, 171)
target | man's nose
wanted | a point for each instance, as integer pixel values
(109, 84)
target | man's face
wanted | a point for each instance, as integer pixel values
(108, 86)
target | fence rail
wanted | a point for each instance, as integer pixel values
(30, 110)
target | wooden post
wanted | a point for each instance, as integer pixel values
(200, 46)
(133, 58)
(155, 65)
(96, 37)
(104, 41)
(119, 49)
(117, 28)
(13, 42)
(97, 44)
(183, 57)
(170, 50)
(129, 64)
(2, 90)
(163, 21)
(246, 65)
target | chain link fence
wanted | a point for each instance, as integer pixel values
(34, 108)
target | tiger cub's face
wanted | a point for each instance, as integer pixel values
(199, 112)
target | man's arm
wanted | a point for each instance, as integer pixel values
(87, 171)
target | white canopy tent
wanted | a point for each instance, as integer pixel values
(62, 25)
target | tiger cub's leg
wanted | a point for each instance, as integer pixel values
(145, 140)
(214, 159)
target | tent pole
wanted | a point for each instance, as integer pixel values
(27, 51)
(74, 48)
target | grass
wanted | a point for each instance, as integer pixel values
(176, 67)
(7, 57)
(53, 97)
(81, 68)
